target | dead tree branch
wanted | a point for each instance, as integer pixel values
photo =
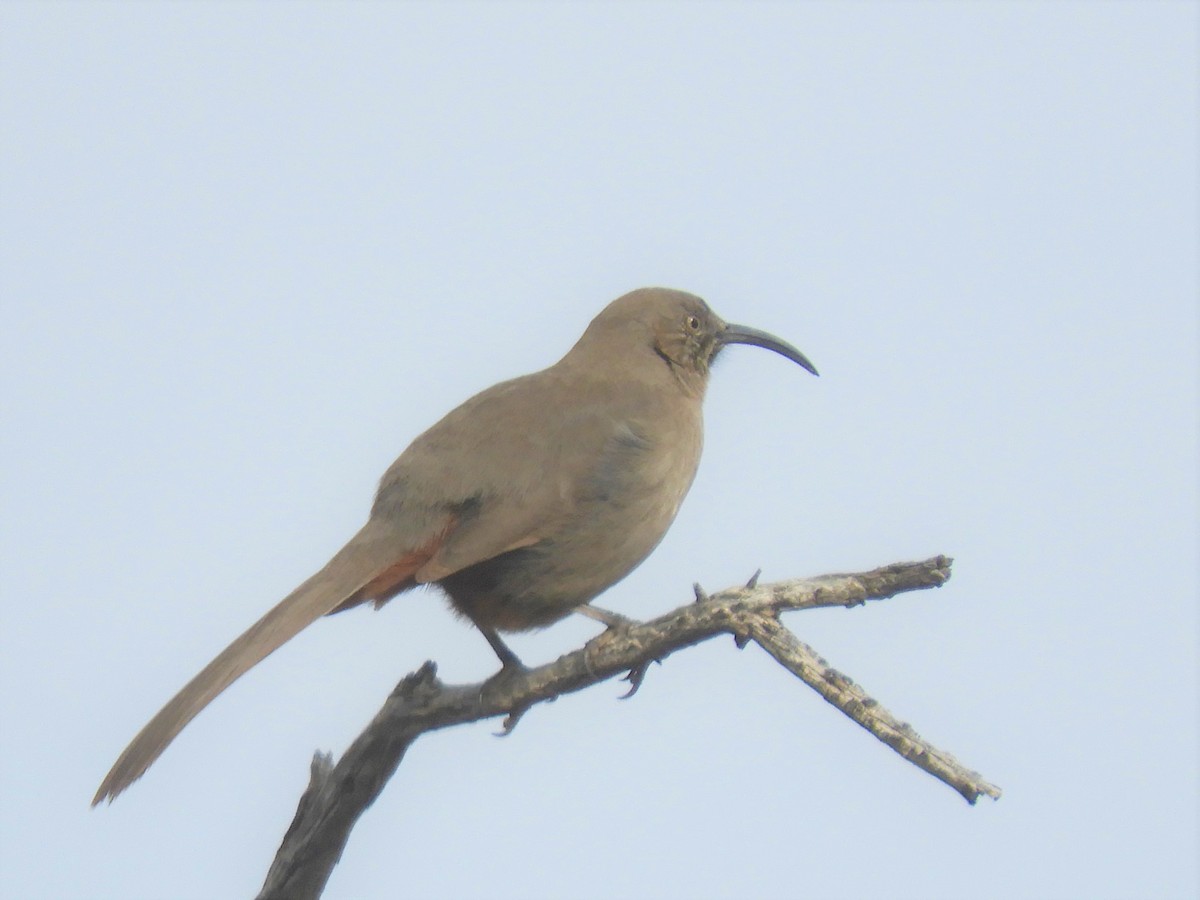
(338, 795)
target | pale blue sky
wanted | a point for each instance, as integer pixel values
(251, 250)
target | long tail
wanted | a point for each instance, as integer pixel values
(344, 581)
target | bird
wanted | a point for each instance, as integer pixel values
(523, 504)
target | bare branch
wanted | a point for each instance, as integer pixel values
(804, 662)
(338, 795)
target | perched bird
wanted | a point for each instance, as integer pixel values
(523, 504)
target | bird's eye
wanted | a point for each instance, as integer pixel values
(693, 323)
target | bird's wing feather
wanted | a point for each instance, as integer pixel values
(509, 487)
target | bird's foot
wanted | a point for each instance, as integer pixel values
(513, 717)
(511, 666)
(636, 676)
(497, 687)
(615, 623)
(511, 669)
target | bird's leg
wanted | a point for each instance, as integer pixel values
(509, 661)
(510, 667)
(611, 619)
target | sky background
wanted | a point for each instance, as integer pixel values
(251, 250)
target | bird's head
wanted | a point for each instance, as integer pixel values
(683, 331)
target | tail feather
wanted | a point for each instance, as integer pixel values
(344, 579)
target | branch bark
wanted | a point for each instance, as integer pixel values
(338, 794)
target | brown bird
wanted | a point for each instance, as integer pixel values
(523, 504)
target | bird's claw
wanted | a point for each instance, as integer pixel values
(636, 676)
(511, 720)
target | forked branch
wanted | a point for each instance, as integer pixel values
(338, 794)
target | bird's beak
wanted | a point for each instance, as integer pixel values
(744, 334)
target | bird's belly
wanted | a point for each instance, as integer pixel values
(612, 528)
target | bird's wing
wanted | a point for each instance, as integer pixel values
(508, 487)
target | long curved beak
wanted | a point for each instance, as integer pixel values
(744, 334)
